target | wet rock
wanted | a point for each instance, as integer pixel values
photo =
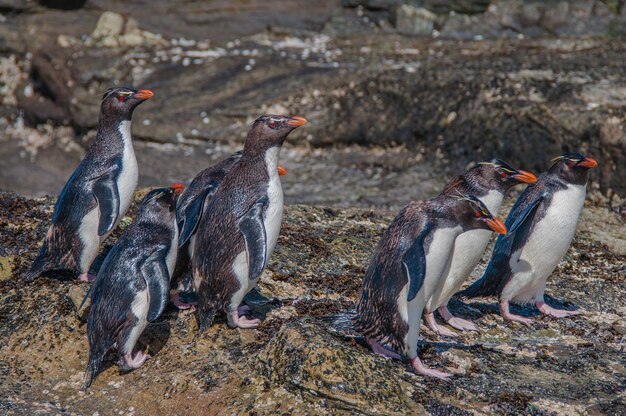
(412, 20)
(305, 357)
(372, 4)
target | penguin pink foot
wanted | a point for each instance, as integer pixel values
(440, 330)
(240, 320)
(504, 311)
(86, 277)
(175, 299)
(135, 361)
(546, 309)
(379, 349)
(419, 367)
(456, 322)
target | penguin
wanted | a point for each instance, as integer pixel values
(132, 286)
(406, 269)
(97, 195)
(188, 215)
(542, 224)
(489, 182)
(240, 225)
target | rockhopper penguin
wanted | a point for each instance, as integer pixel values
(240, 225)
(541, 226)
(97, 195)
(132, 287)
(487, 181)
(406, 270)
(188, 215)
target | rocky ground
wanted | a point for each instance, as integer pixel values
(293, 364)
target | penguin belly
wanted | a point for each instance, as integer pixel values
(546, 245)
(139, 309)
(240, 270)
(274, 212)
(468, 250)
(129, 174)
(88, 235)
(438, 258)
(170, 258)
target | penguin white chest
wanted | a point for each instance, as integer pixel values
(468, 249)
(438, 257)
(127, 179)
(546, 245)
(274, 211)
(170, 259)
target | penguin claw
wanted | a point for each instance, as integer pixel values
(431, 372)
(504, 311)
(462, 324)
(439, 330)
(546, 309)
(135, 361)
(245, 323)
(86, 277)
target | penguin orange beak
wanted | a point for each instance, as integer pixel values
(496, 225)
(296, 121)
(525, 177)
(282, 171)
(589, 163)
(144, 94)
(178, 188)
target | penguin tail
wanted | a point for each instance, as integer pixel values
(487, 285)
(94, 365)
(342, 323)
(36, 269)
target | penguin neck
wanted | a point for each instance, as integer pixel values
(269, 155)
(116, 129)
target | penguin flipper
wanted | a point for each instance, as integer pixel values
(154, 272)
(253, 230)
(518, 233)
(190, 218)
(108, 197)
(414, 262)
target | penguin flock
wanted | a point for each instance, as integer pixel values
(207, 244)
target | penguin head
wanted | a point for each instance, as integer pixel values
(160, 202)
(501, 175)
(474, 215)
(122, 102)
(271, 130)
(572, 167)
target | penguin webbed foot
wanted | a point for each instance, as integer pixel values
(507, 315)
(456, 322)
(380, 349)
(431, 372)
(86, 277)
(548, 310)
(181, 303)
(239, 319)
(431, 322)
(133, 361)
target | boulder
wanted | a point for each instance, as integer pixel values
(412, 20)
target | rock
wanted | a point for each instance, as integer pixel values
(412, 20)
(6, 267)
(458, 6)
(77, 294)
(305, 357)
(110, 24)
(462, 26)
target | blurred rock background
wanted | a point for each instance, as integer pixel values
(400, 95)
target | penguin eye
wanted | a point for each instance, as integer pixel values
(121, 98)
(570, 164)
(272, 125)
(503, 174)
(478, 215)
